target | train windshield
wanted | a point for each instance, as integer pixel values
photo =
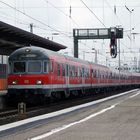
(19, 67)
(34, 67)
(25, 67)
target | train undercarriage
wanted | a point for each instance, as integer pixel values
(43, 96)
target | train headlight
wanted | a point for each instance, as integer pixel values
(27, 50)
(38, 82)
(14, 82)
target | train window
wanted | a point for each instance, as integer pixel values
(73, 71)
(103, 76)
(1, 66)
(34, 67)
(3, 70)
(83, 72)
(46, 67)
(51, 66)
(58, 69)
(63, 69)
(106, 75)
(19, 67)
(10, 67)
(87, 73)
(78, 72)
(94, 73)
(97, 74)
(110, 75)
(91, 71)
(70, 72)
(67, 70)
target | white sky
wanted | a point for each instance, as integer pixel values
(51, 16)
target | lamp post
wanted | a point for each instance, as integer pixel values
(31, 27)
(54, 34)
(95, 51)
(130, 12)
(95, 55)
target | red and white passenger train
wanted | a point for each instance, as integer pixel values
(37, 72)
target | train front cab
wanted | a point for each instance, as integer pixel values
(28, 77)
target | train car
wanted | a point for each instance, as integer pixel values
(3, 79)
(36, 74)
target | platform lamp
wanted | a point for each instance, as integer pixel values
(95, 55)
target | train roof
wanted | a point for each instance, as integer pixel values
(35, 52)
(31, 52)
(41, 53)
(26, 52)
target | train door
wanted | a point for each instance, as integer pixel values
(67, 75)
(97, 76)
(83, 76)
(92, 77)
(51, 75)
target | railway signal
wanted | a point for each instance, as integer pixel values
(112, 33)
(113, 43)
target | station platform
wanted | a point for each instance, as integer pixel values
(3, 92)
(116, 118)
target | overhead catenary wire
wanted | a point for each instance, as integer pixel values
(115, 13)
(35, 19)
(68, 16)
(93, 13)
(52, 28)
(57, 30)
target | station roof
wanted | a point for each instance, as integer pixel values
(12, 38)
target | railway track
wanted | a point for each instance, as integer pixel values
(13, 115)
(7, 114)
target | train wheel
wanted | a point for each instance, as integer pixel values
(97, 90)
(74, 93)
(58, 95)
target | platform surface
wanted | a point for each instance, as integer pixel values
(3, 92)
(115, 119)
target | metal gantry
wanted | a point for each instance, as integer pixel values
(112, 33)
